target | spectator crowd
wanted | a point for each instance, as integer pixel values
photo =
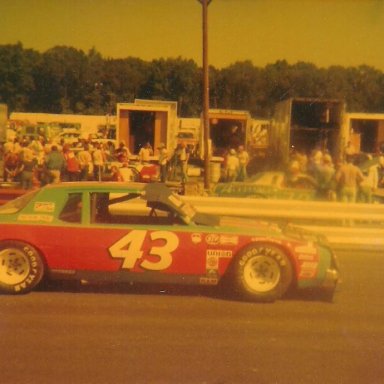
(36, 162)
(341, 180)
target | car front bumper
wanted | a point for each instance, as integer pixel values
(332, 278)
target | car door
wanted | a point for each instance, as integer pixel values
(131, 238)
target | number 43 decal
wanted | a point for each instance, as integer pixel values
(129, 248)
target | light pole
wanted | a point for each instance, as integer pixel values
(206, 130)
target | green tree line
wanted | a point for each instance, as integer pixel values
(67, 80)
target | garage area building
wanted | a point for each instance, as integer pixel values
(147, 121)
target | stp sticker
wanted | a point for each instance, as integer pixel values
(216, 239)
(212, 239)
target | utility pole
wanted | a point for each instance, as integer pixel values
(206, 129)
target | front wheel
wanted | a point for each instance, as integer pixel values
(262, 273)
(21, 267)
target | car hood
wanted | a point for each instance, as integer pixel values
(256, 226)
(260, 227)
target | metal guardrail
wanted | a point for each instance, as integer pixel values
(343, 224)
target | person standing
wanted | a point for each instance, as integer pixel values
(380, 173)
(348, 177)
(12, 164)
(349, 150)
(55, 163)
(374, 179)
(85, 162)
(98, 162)
(72, 170)
(325, 178)
(232, 166)
(182, 156)
(122, 153)
(243, 163)
(28, 166)
(163, 162)
(37, 147)
(145, 153)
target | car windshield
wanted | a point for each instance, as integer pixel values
(18, 204)
(188, 212)
(157, 193)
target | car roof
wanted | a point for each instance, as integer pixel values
(109, 186)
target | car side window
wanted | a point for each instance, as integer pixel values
(72, 210)
(107, 209)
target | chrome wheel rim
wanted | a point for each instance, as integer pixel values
(261, 273)
(14, 266)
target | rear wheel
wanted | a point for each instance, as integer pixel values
(262, 273)
(21, 267)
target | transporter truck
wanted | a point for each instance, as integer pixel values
(305, 124)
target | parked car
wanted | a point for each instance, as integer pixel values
(135, 171)
(71, 137)
(146, 233)
(98, 138)
(269, 185)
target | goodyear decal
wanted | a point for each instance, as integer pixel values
(269, 240)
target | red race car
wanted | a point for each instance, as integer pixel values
(146, 233)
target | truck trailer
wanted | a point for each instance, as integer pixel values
(303, 124)
(366, 132)
(147, 121)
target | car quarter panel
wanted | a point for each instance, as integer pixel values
(136, 249)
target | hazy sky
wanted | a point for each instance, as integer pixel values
(323, 32)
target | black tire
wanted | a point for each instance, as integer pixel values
(327, 294)
(21, 267)
(262, 272)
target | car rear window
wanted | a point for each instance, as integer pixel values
(17, 204)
